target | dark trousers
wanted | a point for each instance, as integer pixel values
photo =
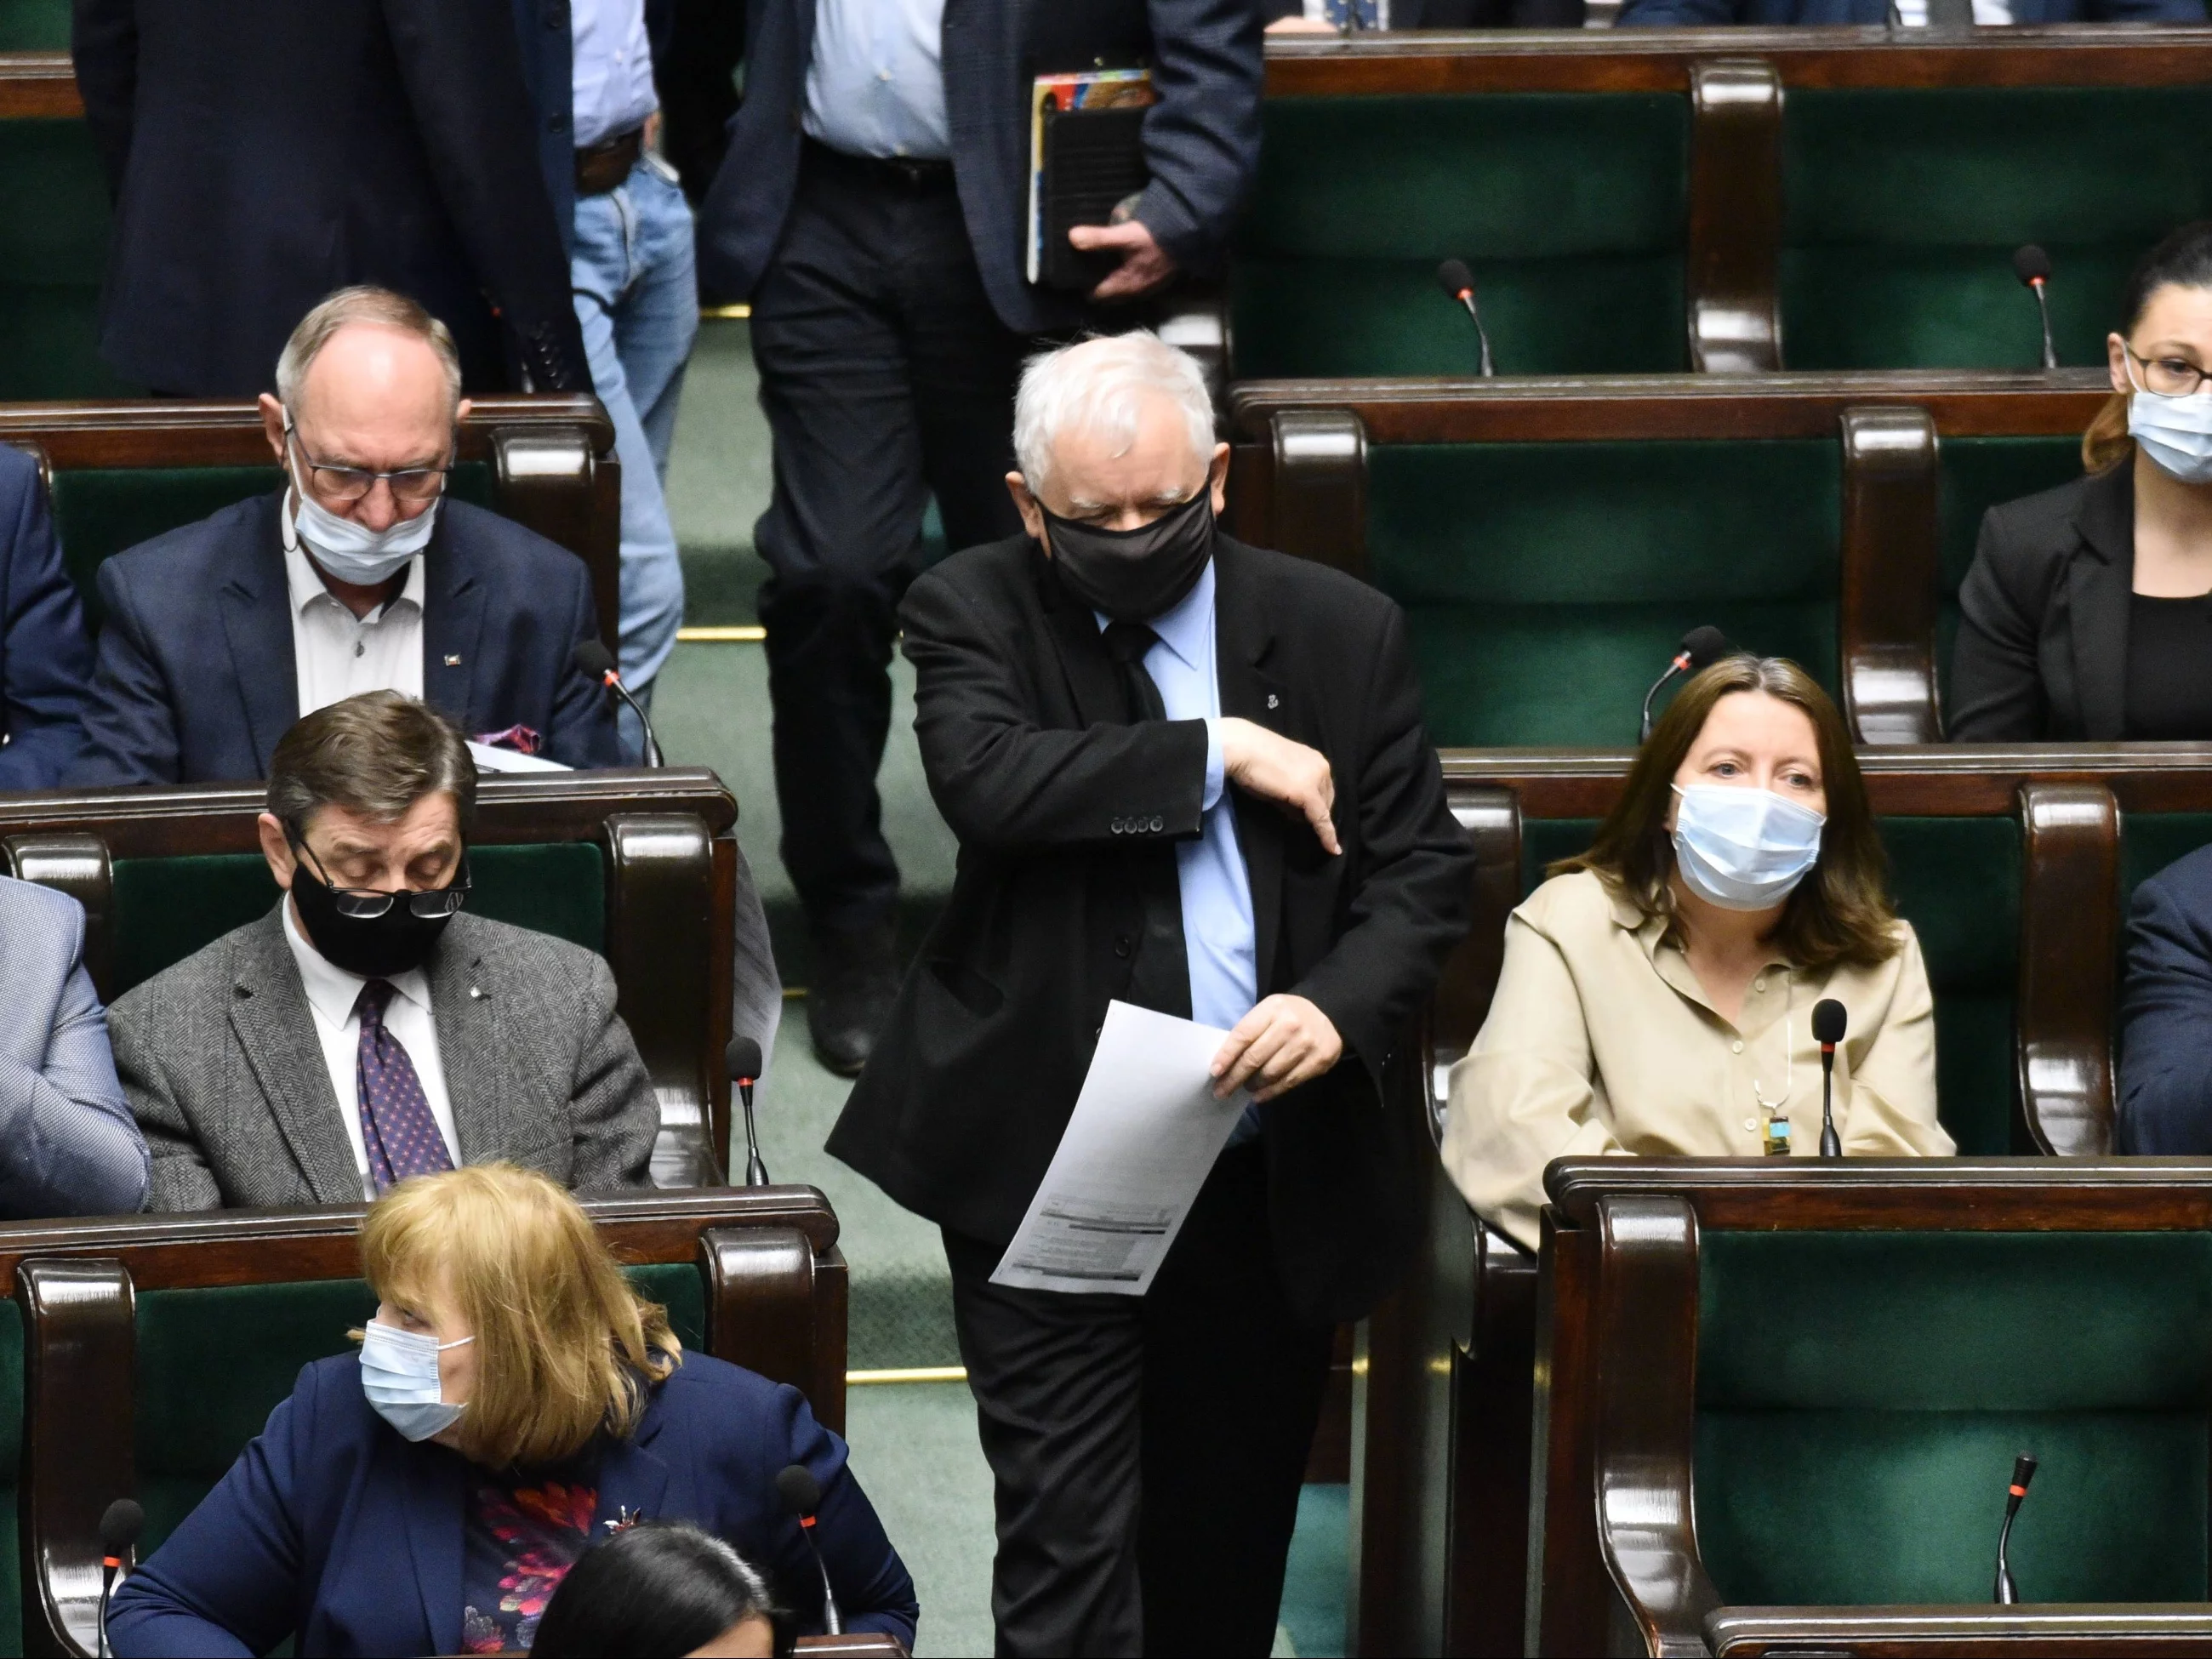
(885, 376)
(1147, 1452)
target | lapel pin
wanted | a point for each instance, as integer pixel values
(454, 661)
(1274, 701)
(477, 991)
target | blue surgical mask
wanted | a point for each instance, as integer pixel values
(350, 552)
(399, 1375)
(1743, 849)
(2174, 432)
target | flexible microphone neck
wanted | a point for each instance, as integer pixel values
(2041, 286)
(1481, 334)
(1458, 281)
(744, 1058)
(802, 1496)
(1830, 1020)
(2023, 1471)
(598, 663)
(119, 1526)
(2032, 266)
(1681, 665)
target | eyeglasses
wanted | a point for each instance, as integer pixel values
(348, 484)
(2169, 377)
(365, 905)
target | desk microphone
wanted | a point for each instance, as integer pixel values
(598, 663)
(2032, 266)
(802, 1496)
(1829, 1020)
(119, 1526)
(744, 1058)
(1459, 283)
(2023, 1471)
(1701, 648)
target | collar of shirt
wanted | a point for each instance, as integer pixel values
(1186, 627)
(306, 584)
(331, 992)
(1671, 964)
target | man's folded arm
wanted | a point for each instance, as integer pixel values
(1004, 782)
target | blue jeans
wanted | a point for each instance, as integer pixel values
(639, 306)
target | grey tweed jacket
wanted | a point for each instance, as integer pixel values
(221, 1066)
(67, 1144)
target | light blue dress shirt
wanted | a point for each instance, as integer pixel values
(875, 85)
(612, 79)
(1218, 940)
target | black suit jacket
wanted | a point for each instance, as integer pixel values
(197, 679)
(1201, 140)
(2042, 651)
(262, 153)
(1030, 758)
(2165, 1072)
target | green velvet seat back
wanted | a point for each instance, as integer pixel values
(54, 248)
(102, 511)
(1903, 207)
(214, 1363)
(1568, 209)
(1978, 474)
(1957, 881)
(1861, 1397)
(166, 909)
(1548, 584)
(34, 25)
(2151, 841)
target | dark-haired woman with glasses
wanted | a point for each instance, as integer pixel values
(1657, 992)
(2087, 613)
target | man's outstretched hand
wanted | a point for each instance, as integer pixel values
(1265, 763)
(1284, 1042)
(1145, 265)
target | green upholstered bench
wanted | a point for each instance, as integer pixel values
(1651, 200)
(2010, 864)
(640, 866)
(138, 1355)
(1553, 540)
(1802, 1388)
(118, 473)
(54, 216)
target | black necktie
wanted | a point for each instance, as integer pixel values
(1127, 643)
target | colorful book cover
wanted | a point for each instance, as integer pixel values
(1105, 88)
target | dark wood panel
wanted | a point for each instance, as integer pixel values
(2073, 1631)
(1660, 60)
(182, 432)
(39, 85)
(1643, 408)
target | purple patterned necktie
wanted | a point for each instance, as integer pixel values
(396, 1124)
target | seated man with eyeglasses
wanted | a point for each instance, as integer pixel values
(358, 576)
(368, 1028)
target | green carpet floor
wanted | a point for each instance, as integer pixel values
(914, 1445)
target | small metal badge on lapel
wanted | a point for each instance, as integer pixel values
(1274, 701)
(454, 662)
(625, 1518)
(476, 992)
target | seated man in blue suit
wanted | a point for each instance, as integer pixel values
(45, 660)
(2166, 1013)
(358, 576)
(1911, 13)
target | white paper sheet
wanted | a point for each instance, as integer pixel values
(1145, 1134)
(488, 759)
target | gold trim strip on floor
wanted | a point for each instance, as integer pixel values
(726, 313)
(720, 635)
(912, 1374)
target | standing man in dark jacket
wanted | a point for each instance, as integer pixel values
(262, 153)
(872, 207)
(1189, 775)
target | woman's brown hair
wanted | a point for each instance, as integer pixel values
(565, 1347)
(1840, 913)
(2183, 259)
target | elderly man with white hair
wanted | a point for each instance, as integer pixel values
(1191, 775)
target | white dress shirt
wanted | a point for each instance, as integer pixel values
(612, 76)
(333, 994)
(1988, 14)
(335, 654)
(875, 84)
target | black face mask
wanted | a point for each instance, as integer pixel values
(375, 947)
(1134, 575)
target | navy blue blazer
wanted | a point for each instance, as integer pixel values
(2166, 1013)
(1201, 140)
(46, 659)
(1693, 13)
(332, 1526)
(196, 680)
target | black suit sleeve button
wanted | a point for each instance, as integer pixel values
(1121, 826)
(1123, 944)
(556, 123)
(1158, 824)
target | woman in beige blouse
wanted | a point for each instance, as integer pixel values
(1658, 992)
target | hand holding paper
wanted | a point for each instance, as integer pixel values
(1283, 1042)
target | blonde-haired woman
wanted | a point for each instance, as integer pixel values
(513, 1399)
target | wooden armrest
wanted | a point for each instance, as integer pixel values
(2070, 1630)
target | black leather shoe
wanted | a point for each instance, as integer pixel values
(856, 979)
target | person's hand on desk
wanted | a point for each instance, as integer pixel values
(1145, 264)
(1283, 1042)
(1261, 763)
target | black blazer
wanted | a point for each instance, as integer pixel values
(2165, 1008)
(197, 681)
(1030, 758)
(1201, 140)
(262, 153)
(2042, 652)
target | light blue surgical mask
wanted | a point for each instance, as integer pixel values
(2174, 432)
(1743, 849)
(399, 1375)
(351, 551)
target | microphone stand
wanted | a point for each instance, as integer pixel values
(651, 743)
(1681, 663)
(1482, 335)
(2043, 306)
(1832, 1144)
